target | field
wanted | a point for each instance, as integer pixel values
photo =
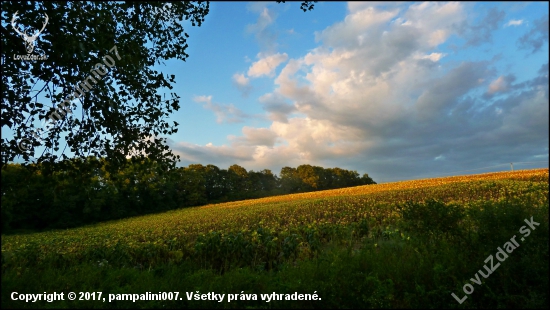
(404, 244)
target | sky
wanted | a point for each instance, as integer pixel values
(398, 90)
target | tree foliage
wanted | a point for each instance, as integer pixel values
(121, 113)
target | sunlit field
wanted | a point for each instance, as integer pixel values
(402, 244)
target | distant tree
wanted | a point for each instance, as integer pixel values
(269, 180)
(366, 180)
(290, 180)
(352, 178)
(256, 184)
(214, 182)
(239, 181)
(193, 186)
(309, 177)
(32, 199)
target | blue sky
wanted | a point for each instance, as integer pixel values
(398, 90)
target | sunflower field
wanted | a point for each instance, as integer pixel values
(403, 244)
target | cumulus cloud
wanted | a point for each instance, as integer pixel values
(266, 65)
(318, 140)
(242, 83)
(224, 113)
(354, 25)
(374, 97)
(376, 40)
(514, 22)
(256, 137)
(308, 141)
(504, 84)
(497, 85)
(277, 107)
(444, 94)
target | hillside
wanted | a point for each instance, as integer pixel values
(403, 244)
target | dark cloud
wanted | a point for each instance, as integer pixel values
(277, 107)
(514, 129)
(534, 39)
(222, 156)
(482, 32)
(543, 70)
(445, 92)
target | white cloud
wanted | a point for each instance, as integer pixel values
(265, 18)
(240, 79)
(514, 22)
(242, 83)
(224, 113)
(255, 137)
(354, 6)
(320, 139)
(355, 24)
(441, 22)
(498, 85)
(435, 57)
(266, 65)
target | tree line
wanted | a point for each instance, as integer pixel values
(40, 196)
